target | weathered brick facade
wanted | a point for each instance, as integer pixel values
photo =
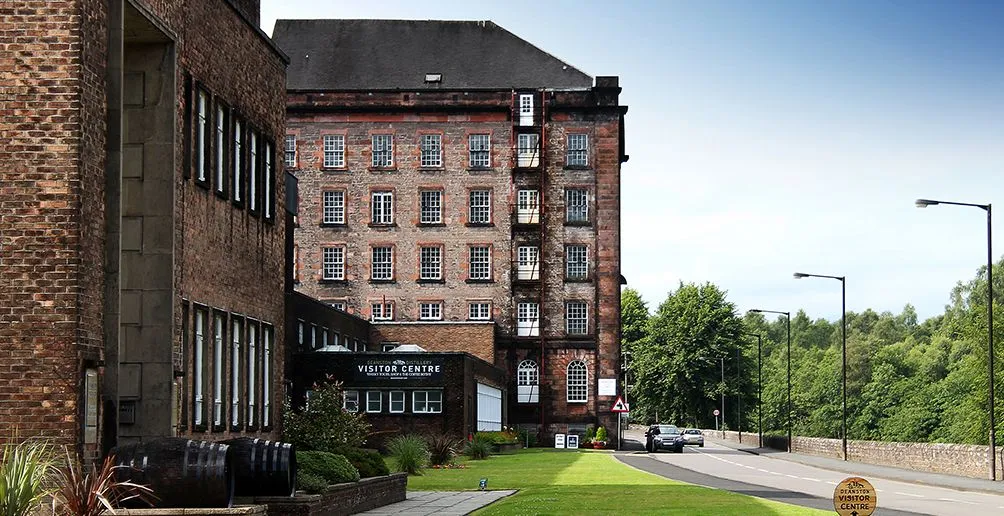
(104, 230)
(476, 338)
(351, 117)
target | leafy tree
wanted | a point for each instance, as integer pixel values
(323, 424)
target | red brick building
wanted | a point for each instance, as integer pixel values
(461, 188)
(142, 235)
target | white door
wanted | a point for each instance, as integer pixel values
(528, 263)
(528, 207)
(489, 408)
(528, 150)
(526, 109)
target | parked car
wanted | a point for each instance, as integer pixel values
(664, 437)
(693, 436)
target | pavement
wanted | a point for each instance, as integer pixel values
(441, 503)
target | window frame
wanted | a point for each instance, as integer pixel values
(528, 375)
(532, 329)
(479, 304)
(354, 394)
(430, 262)
(426, 401)
(581, 319)
(382, 266)
(382, 207)
(333, 157)
(268, 339)
(336, 266)
(479, 202)
(336, 205)
(527, 150)
(239, 163)
(577, 155)
(478, 263)
(528, 206)
(221, 153)
(430, 207)
(574, 204)
(391, 401)
(200, 414)
(576, 270)
(386, 311)
(202, 156)
(528, 263)
(369, 401)
(479, 151)
(386, 150)
(290, 156)
(219, 325)
(254, 171)
(236, 354)
(430, 150)
(581, 382)
(435, 311)
(251, 398)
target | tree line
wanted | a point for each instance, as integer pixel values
(907, 380)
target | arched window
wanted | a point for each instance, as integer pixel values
(577, 382)
(527, 379)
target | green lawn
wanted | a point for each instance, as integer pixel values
(584, 482)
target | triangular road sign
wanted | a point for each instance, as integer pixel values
(619, 405)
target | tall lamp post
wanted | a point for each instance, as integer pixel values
(924, 203)
(843, 368)
(759, 385)
(787, 316)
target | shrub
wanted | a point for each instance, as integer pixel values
(90, 493)
(24, 469)
(369, 462)
(477, 448)
(333, 469)
(442, 448)
(529, 439)
(310, 482)
(499, 437)
(590, 435)
(323, 424)
(410, 453)
(601, 434)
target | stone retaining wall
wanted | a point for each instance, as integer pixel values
(965, 460)
(348, 498)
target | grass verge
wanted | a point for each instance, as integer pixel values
(569, 482)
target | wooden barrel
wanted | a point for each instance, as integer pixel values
(263, 468)
(181, 472)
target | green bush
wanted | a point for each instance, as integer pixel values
(601, 434)
(323, 424)
(369, 462)
(590, 435)
(442, 448)
(310, 482)
(503, 437)
(333, 469)
(529, 439)
(477, 448)
(410, 453)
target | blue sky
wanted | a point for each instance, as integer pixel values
(774, 137)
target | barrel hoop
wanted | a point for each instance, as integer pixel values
(187, 462)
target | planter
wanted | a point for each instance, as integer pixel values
(506, 448)
(599, 445)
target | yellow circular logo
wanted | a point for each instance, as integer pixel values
(854, 496)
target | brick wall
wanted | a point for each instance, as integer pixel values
(350, 498)
(477, 339)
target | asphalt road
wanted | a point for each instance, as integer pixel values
(725, 468)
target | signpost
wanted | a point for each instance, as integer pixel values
(619, 408)
(854, 496)
(716, 420)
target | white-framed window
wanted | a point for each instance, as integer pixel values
(357, 345)
(221, 147)
(334, 151)
(289, 150)
(528, 262)
(350, 401)
(338, 305)
(218, 327)
(480, 262)
(527, 382)
(202, 135)
(253, 175)
(268, 333)
(526, 109)
(576, 205)
(266, 179)
(333, 207)
(238, 155)
(427, 402)
(431, 264)
(431, 150)
(528, 150)
(577, 150)
(479, 311)
(252, 380)
(374, 402)
(383, 207)
(480, 206)
(577, 382)
(382, 312)
(235, 373)
(333, 263)
(431, 207)
(576, 318)
(383, 150)
(528, 206)
(198, 382)
(430, 311)
(576, 262)
(479, 146)
(527, 319)
(396, 402)
(382, 265)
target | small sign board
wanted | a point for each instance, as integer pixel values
(572, 442)
(854, 496)
(483, 484)
(559, 440)
(717, 412)
(619, 405)
(608, 387)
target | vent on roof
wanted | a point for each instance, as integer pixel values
(433, 78)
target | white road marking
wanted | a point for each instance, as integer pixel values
(790, 476)
(908, 494)
(762, 470)
(810, 479)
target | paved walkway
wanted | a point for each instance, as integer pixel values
(445, 503)
(866, 470)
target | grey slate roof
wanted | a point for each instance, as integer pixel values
(396, 54)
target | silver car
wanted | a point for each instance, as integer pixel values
(693, 436)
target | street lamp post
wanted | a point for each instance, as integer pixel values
(787, 316)
(739, 397)
(843, 368)
(924, 203)
(759, 385)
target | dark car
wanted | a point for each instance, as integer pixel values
(664, 437)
